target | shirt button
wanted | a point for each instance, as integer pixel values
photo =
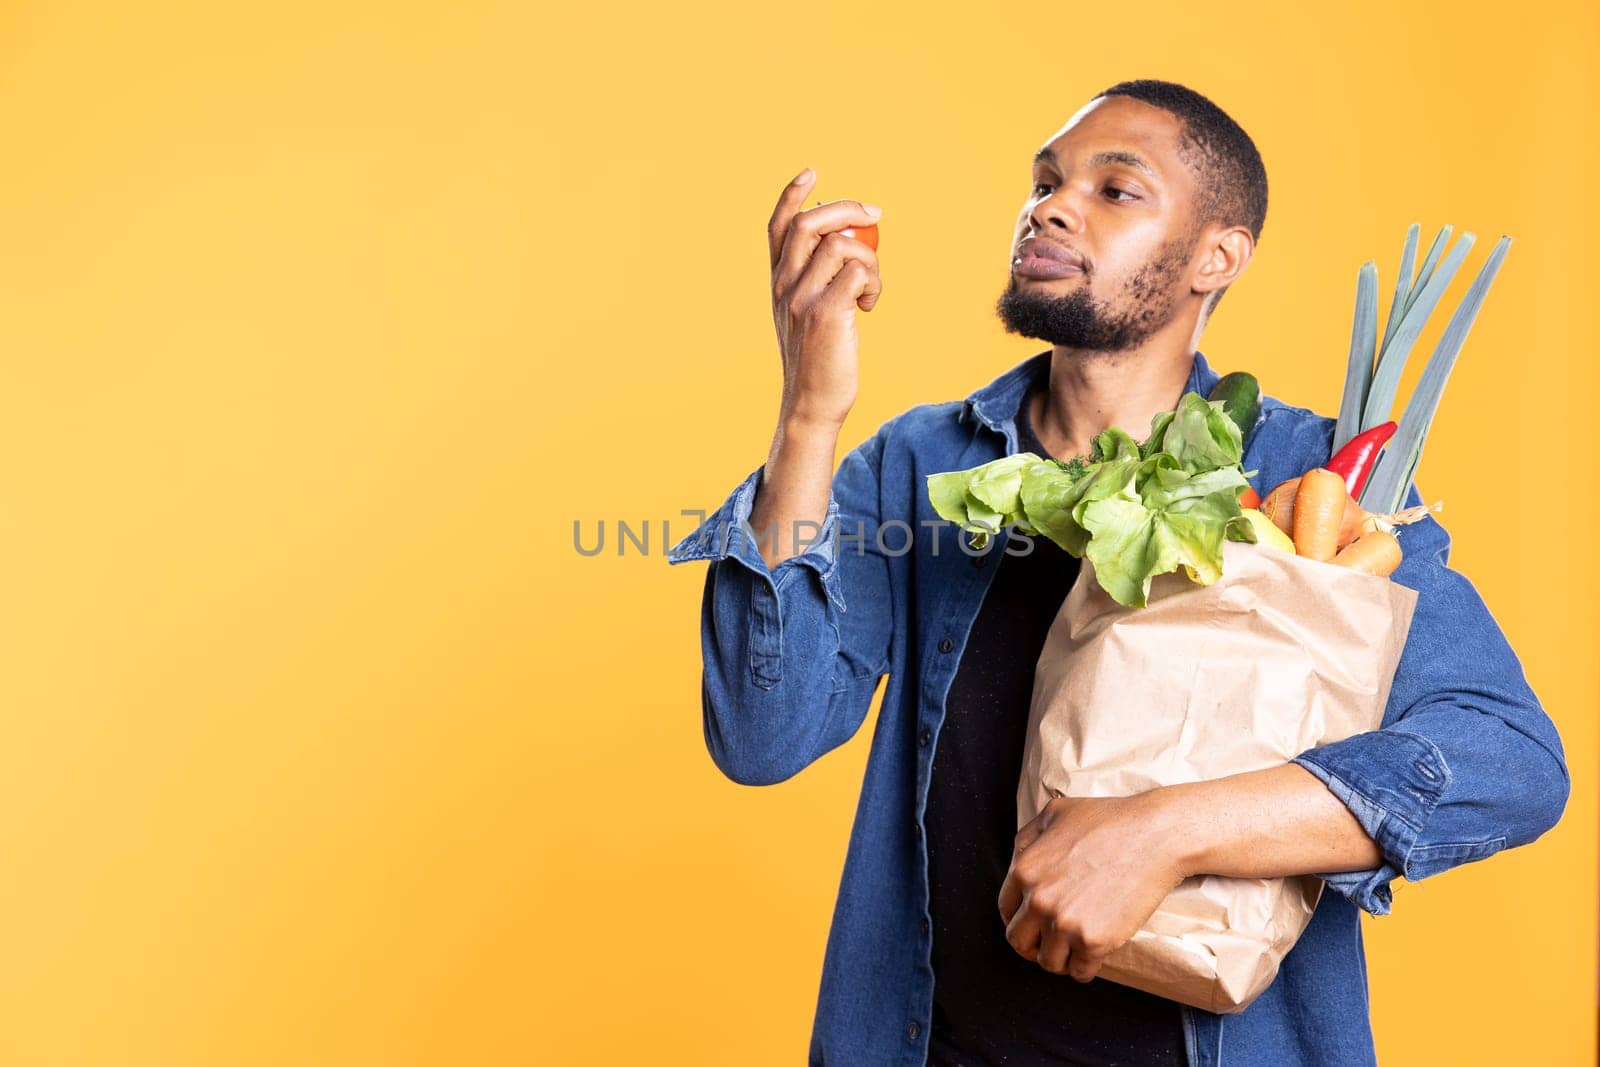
(927, 735)
(918, 831)
(945, 644)
(913, 1029)
(924, 927)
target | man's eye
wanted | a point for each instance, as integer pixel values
(1112, 189)
(1036, 189)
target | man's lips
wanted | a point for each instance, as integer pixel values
(1040, 267)
(1038, 258)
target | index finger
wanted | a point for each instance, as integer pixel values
(1025, 932)
(1010, 898)
(789, 201)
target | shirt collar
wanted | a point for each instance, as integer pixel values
(995, 405)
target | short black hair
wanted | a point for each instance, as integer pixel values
(1231, 177)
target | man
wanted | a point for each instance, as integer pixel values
(1144, 208)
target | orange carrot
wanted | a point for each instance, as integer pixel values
(1376, 552)
(1318, 514)
(1279, 507)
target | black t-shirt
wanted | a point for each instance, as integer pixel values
(991, 1006)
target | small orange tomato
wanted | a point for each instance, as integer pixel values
(867, 235)
(1249, 498)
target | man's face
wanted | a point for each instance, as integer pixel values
(1113, 191)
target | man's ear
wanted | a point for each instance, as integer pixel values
(1227, 254)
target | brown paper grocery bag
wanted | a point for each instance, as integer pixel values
(1279, 655)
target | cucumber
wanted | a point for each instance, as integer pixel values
(1240, 394)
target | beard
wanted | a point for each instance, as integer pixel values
(1144, 303)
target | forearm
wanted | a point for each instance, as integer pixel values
(789, 673)
(793, 499)
(1271, 823)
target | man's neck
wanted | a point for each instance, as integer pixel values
(1089, 392)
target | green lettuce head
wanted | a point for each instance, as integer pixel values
(1135, 510)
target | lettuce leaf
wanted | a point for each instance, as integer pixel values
(1054, 502)
(1201, 437)
(1113, 444)
(1131, 543)
(985, 499)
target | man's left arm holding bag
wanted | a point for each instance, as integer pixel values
(1467, 762)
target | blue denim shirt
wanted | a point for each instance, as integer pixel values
(1466, 763)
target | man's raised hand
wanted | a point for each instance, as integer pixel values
(819, 278)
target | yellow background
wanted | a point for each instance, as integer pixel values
(321, 325)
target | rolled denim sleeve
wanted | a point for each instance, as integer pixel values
(792, 654)
(726, 534)
(1466, 762)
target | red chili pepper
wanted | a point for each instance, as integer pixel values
(1356, 459)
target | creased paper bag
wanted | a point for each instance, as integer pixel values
(1279, 655)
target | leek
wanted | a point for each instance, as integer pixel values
(1392, 361)
(1363, 336)
(1390, 483)
(1404, 286)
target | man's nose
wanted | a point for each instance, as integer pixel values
(1056, 212)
